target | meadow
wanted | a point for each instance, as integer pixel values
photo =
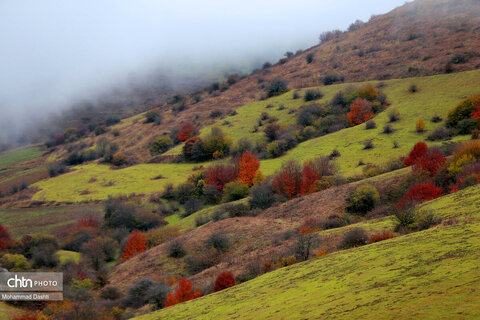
(432, 274)
(19, 155)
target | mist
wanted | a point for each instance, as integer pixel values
(54, 53)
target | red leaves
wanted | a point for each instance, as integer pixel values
(420, 193)
(183, 293)
(224, 280)
(423, 158)
(418, 150)
(360, 112)
(136, 244)
(186, 132)
(247, 168)
(5, 239)
(288, 181)
(220, 175)
(476, 114)
(88, 221)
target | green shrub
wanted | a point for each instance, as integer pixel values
(235, 191)
(14, 262)
(405, 219)
(219, 241)
(312, 94)
(191, 206)
(363, 199)
(153, 116)
(160, 145)
(276, 87)
(354, 238)
(463, 110)
(176, 249)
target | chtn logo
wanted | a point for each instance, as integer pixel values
(17, 282)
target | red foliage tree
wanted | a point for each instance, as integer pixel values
(186, 132)
(420, 193)
(224, 280)
(26, 317)
(360, 112)
(247, 168)
(5, 239)
(136, 243)
(430, 161)
(476, 114)
(183, 293)
(220, 175)
(88, 221)
(312, 171)
(418, 150)
(288, 181)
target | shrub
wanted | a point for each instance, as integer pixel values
(305, 242)
(289, 180)
(136, 243)
(45, 256)
(204, 260)
(138, 293)
(153, 116)
(159, 236)
(211, 194)
(237, 210)
(160, 145)
(215, 114)
(368, 92)
(426, 220)
(296, 95)
(184, 191)
(370, 125)
(331, 79)
(220, 175)
(420, 193)
(243, 144)
(393, 115)
(119, 159)
(420, 126)
(14, 262)
(262, 196)
(466, 126)
(405, 218)
(360, 112)
(57, 169)
(216, 144)
(183, 293)
(354, 238)
(385, 235)
(310, 58)
(387, 129)
(187, 131)
(274, 149)
(157, 295)
(276, 87)
(191, 206)
(111, 293)
(412, 88)
(363, 199)
(5, 239)
(312, 94)
(430, 161)
(223, 281)
(418, 150)
(368, 144)
(436, 119)
(247, 168)
(463, 110)
(313, 171)
(235, 191)
(176, 249)
(119, 214)
(219, 241)
(439, 133)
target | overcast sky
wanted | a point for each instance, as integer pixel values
(55, 51)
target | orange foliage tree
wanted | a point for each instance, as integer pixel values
(136, 243)
(186, 132)
(224, 280)
(183, 293)
(247, 168)
(5, 239)
(360, 112)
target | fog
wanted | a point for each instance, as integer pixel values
(53, 53)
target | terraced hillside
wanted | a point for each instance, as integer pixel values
(436, 96)
(432, 274)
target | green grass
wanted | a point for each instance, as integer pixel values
(433, 274)
(19, 155)
(42, 220)
(65, 256)
(436, 96)
(97, 182)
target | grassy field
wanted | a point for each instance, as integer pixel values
(42, 220)
(97, 182)
(433, 274)
(19, 155)
(8, 312)
(436, 96)
(65, 256)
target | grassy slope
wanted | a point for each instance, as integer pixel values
(433, 274)
(8, 312)
(436, 96)
(19, 155)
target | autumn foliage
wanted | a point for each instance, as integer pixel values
(136, 243)
(360, 112)
(288, 181)
(183, 293)
(224, 280)
(430, 161)
(247, 168)
(220, 175)
(385, 235)
(476, 114)
(88, 221)
(418, 150)
(186, 132)
(26, 317)
(5, 239)
(420, 193)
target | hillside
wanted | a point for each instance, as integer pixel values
(432, 274)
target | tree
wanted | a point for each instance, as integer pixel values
(368, 92)
(418, 150)
(5, 238)
(186, 132)
(88, 221)
(476, 114)
(136, 243)
(464, 110)
(220, 175)
(289, 180)
(247, 168)
(223, 281)
(420, 193)
(430, 161)
(183, 293)
(216, 144)
(160, 145)
(313, 171)
(360, 112)
(420, 125)
(188, 147)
